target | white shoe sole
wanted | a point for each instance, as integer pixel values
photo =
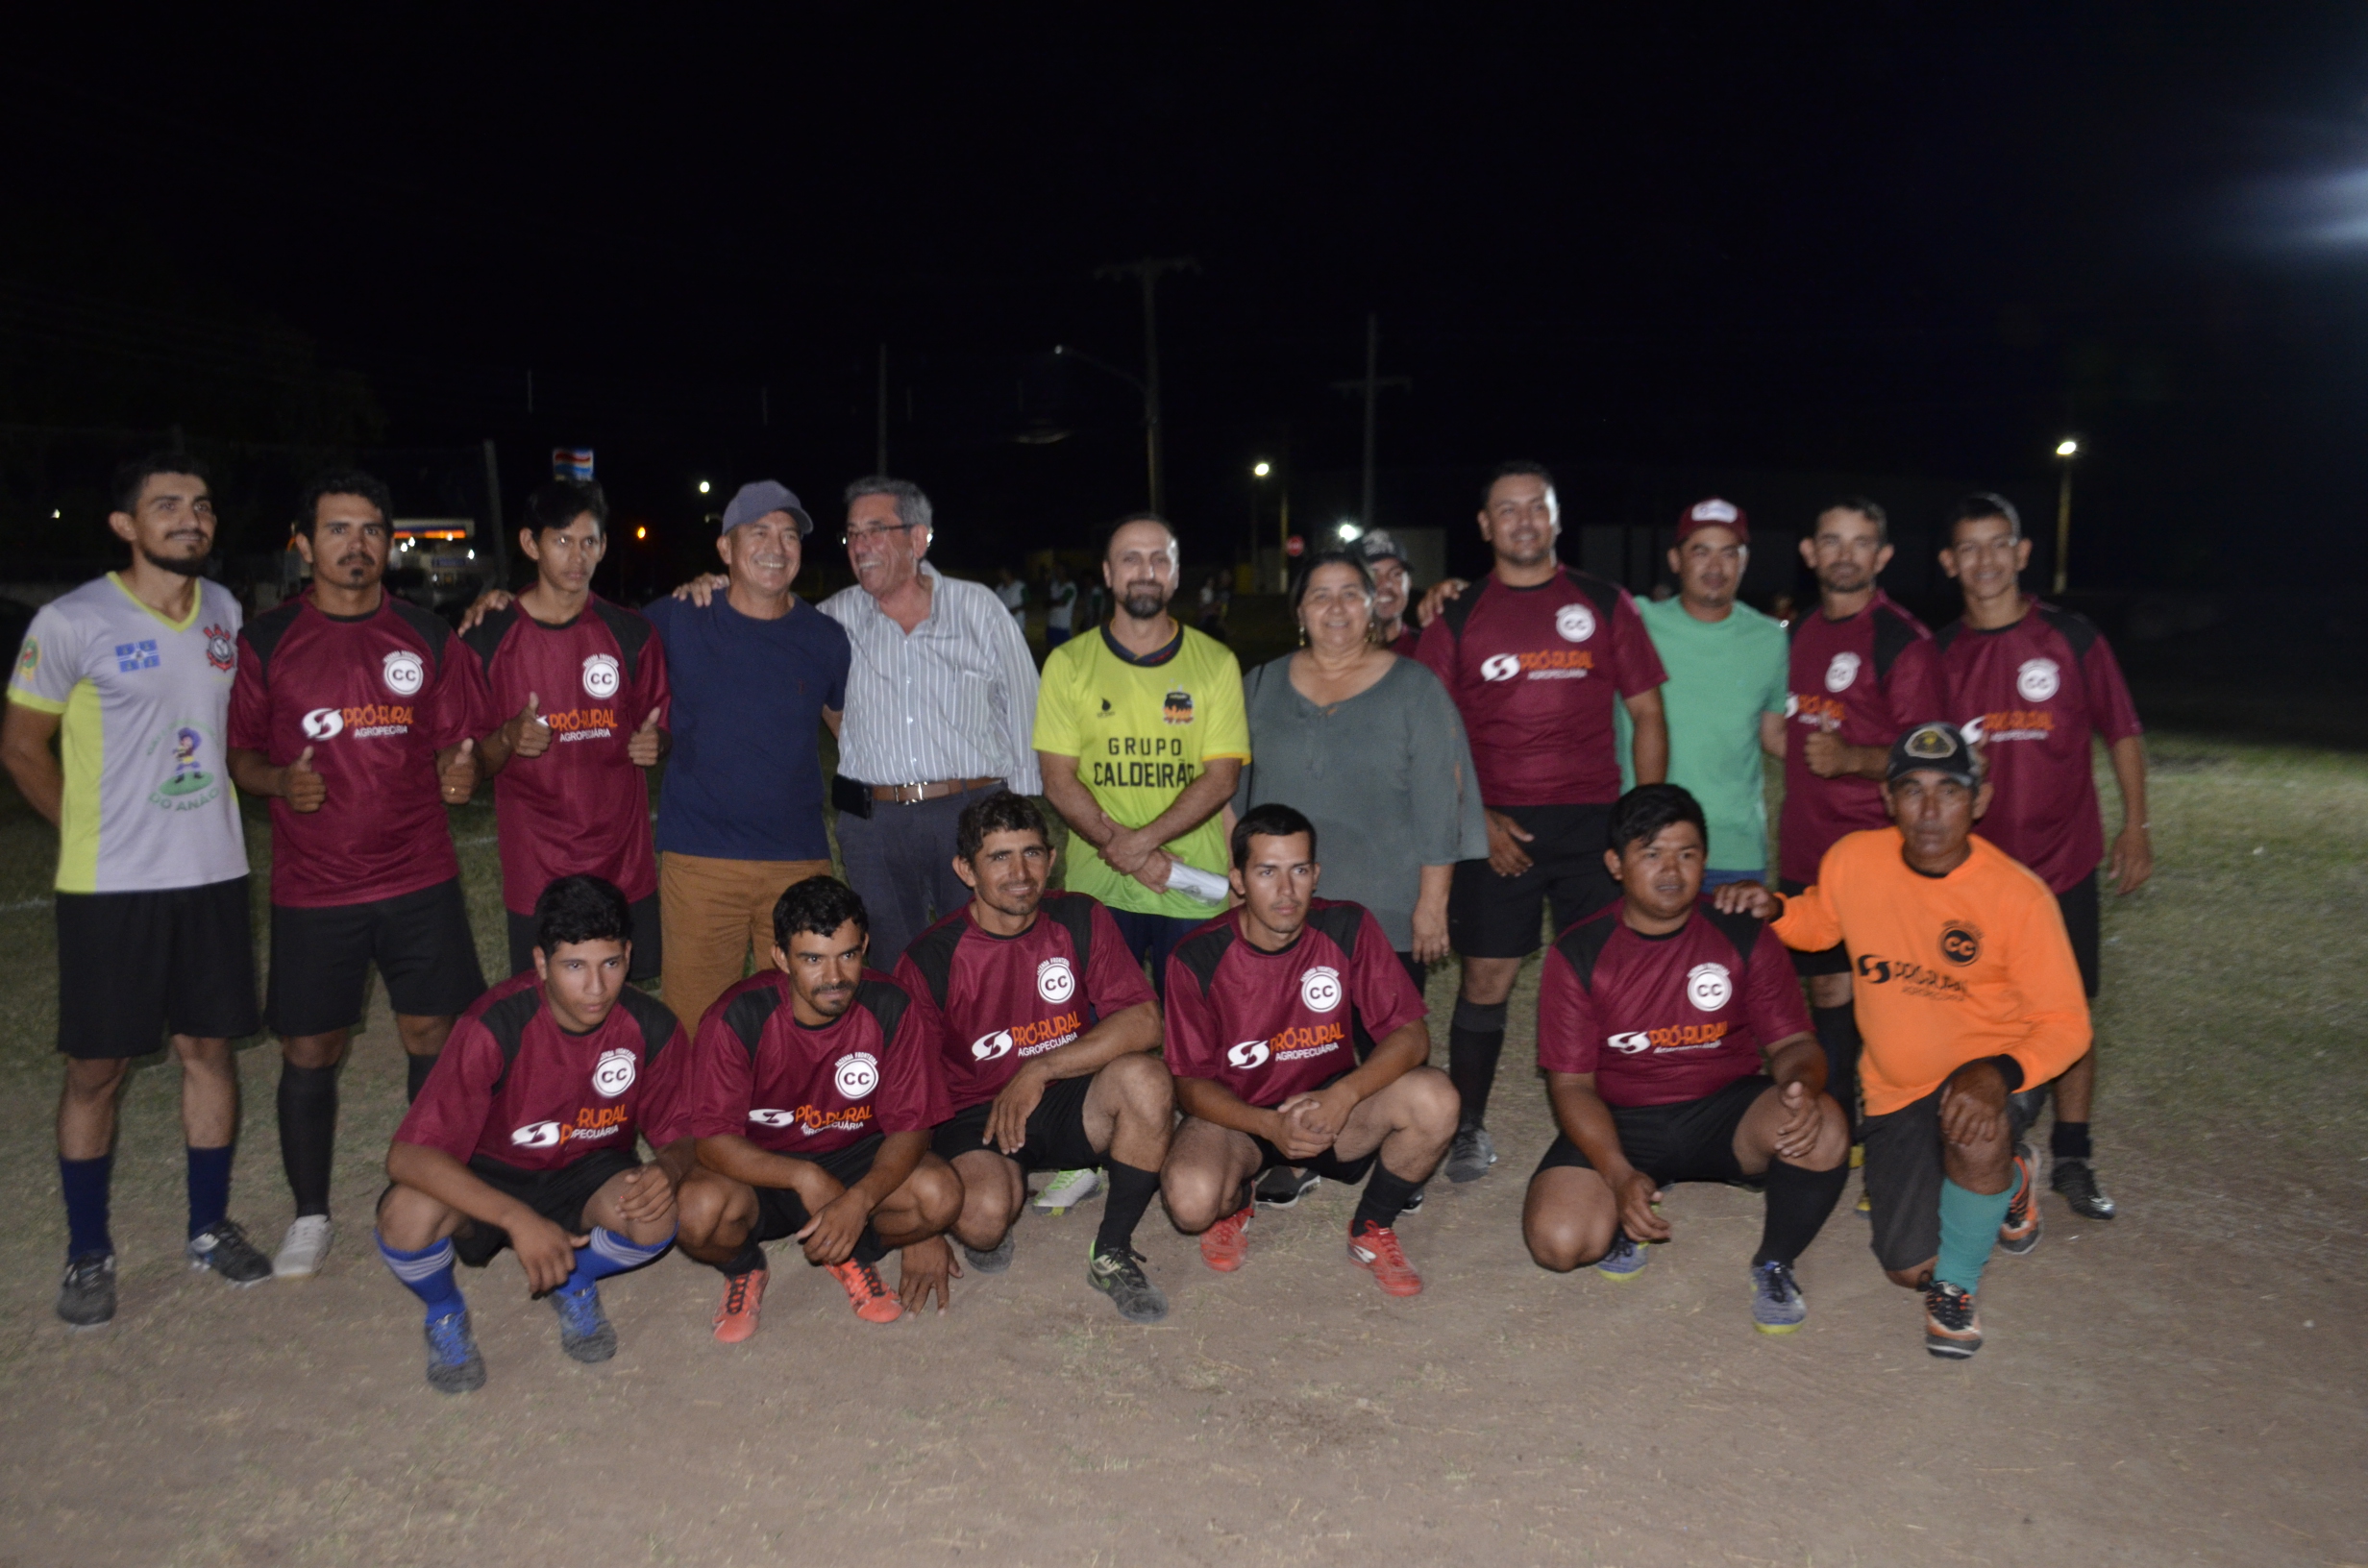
(297, 1260)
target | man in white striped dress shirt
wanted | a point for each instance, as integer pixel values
(941, 708)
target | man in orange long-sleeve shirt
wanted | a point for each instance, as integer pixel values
(1966, 991)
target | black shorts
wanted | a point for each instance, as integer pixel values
(1902, 1175)
(1834, 960)
(1691, 1140)
(781, 1212)
(321, 958)
(1056, 1138)
(648, 949)
(1501, 917)
(558, 1195)
(133, 967)
(2081, 923)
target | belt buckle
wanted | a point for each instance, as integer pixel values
(910, 794)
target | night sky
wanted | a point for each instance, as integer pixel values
(1657, 254)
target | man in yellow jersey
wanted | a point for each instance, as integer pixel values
(1141, 734)
(1965, 991)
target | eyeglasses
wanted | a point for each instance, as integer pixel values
(855, 536)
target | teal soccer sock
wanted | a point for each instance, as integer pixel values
(1969, 1224)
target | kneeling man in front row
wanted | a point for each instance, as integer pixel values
(1048, 1040)
(523, 1137)
(811, 1089)
(1676, 1049)
(1267, 1008)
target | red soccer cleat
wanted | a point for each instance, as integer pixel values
(1375, 1248)
(735, 1321)
(873, 1302)
(1224, 1246)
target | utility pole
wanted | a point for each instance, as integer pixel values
(879, 461)
(1371, 386)
(1148, 271)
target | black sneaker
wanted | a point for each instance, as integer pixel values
(1413, 1202)
(996, 1258)
(1469, 1155)
(1284, 1186)
(224, 1248)
(1118, 1274)
(1952, 1327)
(86, 1294)
(2077, 1182)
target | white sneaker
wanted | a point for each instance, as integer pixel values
(1067, 1189)
(307, 1244)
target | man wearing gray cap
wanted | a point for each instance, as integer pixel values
(756, 672)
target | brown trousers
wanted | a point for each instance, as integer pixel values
(715, 912)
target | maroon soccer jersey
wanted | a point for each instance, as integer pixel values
(1662, 1019)
(1004, 999)
(1869, 680)
(1535, 673)
(756, 1071)
(515, 1087)
(1408, 640)
(1271, 1025)
(374, 697)
(582, 806)
(2033, 693)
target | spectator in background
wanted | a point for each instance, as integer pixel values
(1725, 698)
(1393, 588)
(1013, 593)
(754, 671)
(1369, 746)
(1060, 607)
(1216, 599)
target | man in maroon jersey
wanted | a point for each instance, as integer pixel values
(1274, 1011)
(354, 714)
(1049, 1049)
(1534, 660)
(1675, 1050)
(523, 1136)
(584, 685)
(1864, 673)
(2031, 683)
(812, 1088)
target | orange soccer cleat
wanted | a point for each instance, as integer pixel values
(1224, 1246)
(873, 1302)
(735, 1319)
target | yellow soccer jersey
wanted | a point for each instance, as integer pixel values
(1141, 729)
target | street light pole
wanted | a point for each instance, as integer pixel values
(2065, 451)
(1147, 271)
(1371, 386)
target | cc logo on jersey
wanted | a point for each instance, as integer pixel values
(1055, 981)
(1500, 666)
(1842, 672)
(1631, 1042)
(1320, 987)
(1250, 1053)
(321, 723)
(404, 672)
(600, 678)
(987, 1047)
(1961, 943)
(1574, 622)
(538, 1135)
(613, 1073)
(1709, 987)
(774, 1118)
(857, 1074)
(2037, 681)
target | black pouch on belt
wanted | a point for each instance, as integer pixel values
(852, 798)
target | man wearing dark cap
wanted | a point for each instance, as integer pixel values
(1725, 695)
(1386, 559)
(754, 672)
(1968, 992)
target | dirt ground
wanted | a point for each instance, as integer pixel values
(2183, 1385)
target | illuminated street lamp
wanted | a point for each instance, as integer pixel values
(1260, 469)
(2067, 450)
(704, 487)
(1349, 532)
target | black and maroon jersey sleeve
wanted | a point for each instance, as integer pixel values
(912, 1094)
(454, 706)
(457, 1100)
(1569, 1032)
(1379, 988)
(1636, 664)
(659, 1110)
(1114, 981)
(1772, 1003)
(717, 1083)
(1195, 1047)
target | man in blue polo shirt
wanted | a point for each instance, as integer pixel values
(756, 672)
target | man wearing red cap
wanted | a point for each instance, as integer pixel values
(1725, 695)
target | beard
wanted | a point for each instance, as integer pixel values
(1847, 579)
(187, 565)
(1144, 602)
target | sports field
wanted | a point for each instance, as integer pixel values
(2183, 1385)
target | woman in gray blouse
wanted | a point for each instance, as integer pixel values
(1369, 745)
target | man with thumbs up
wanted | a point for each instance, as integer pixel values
(580, 687)
(356, 714)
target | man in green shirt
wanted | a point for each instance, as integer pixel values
(1725, 696)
